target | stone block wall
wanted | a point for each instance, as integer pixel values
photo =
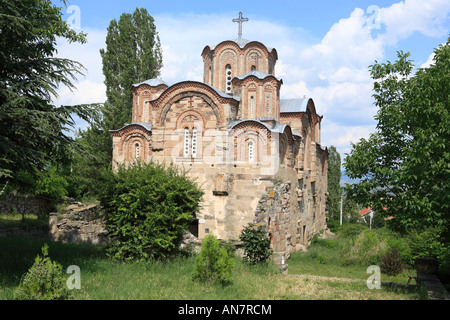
(26, 204)
(78, 224)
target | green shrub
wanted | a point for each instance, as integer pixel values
(365, 249)
(349, 230)
(147, 208)
(43, 281)
(214, 263)
(391, 263)
(425, 243)
(256, 244)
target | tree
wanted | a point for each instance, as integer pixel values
(133, 54)
(404, 165)
(147, 208)
(34, 131)
(334, 183)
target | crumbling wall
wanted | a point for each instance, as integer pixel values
(78, 224)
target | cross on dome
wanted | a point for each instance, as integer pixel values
(240, 20)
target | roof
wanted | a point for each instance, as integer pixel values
(259, 74)
(365, 211)
(146, 125)
(276, 127)
(293, 105)
(151, 82)
(241, 42)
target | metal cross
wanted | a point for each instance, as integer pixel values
(240, 20)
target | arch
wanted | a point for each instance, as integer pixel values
(190, 117)
(245, 132)
(189, 94)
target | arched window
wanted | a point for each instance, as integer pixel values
(194, 142)
(253, 68)
(252, 107)
(251, 152)
(228, 77)
(136, 151)
(186, 142)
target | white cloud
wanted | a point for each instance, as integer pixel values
(332, 70)
(403, 18)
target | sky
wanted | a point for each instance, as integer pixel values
(324, 48)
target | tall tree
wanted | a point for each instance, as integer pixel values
(334, 180)
(404, 166)
(133, 54)
(33, 130)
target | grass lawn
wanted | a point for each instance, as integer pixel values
(103, 279)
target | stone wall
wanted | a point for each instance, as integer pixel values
(24, 204)
(78, 224)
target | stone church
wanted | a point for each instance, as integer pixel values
(257, 156)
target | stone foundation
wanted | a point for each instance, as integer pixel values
(78, 224)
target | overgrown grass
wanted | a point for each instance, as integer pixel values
(104, 279)
(11, 220)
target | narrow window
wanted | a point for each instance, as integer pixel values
(194, 142)
(136, 151)
(186, 142)
(251, 155)
(228, 75)
(252, 107)
(253, 68)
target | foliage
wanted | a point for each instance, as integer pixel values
(34, 131)
(425, 243)
(334, 180)
(132, 55)
(391, 263)
(256, 244)
(367, 248)
(404, 165)
(214, 263)
(43, 281)
(52, 185)
(148, 207)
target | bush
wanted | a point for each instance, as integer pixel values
(256, 244)
(391, 263)
(214, 263)
(366, 249)
(425, 243)
(43, 281)
(147, 208)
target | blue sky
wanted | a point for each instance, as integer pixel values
(324, 47)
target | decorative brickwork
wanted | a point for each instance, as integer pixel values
(233, 139)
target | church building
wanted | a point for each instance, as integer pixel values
(257, 157)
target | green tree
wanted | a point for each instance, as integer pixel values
(133, 54)
(334, 181)
(404, 166)
(34, 131)
(148, 207)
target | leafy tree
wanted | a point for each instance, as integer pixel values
(133, 54)
(34, 131)
(148, 207)
(334, 180)
(404, 165)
